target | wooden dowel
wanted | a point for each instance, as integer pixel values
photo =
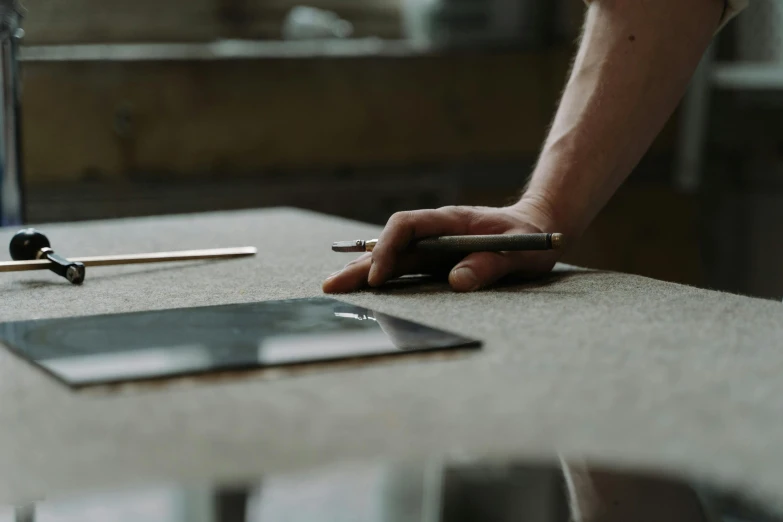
(134, 259)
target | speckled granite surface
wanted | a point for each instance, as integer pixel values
(606, 366)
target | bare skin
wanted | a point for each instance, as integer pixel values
(633, 66)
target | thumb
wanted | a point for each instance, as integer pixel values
(479, 270)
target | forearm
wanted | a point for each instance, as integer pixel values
(633, 66)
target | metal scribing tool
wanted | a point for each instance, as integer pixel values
(31, 250)
(473, 243)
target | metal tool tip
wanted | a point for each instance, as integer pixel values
(557, 241)
(348, 246)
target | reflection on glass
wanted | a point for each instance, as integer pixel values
(142, 345)
(285, 349)
(152, 361)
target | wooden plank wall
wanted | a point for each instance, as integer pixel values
(111, 121)
(203, 118)
(180, 120)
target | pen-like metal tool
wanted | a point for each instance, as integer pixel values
(466, 244)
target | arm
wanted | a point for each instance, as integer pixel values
(632, 67)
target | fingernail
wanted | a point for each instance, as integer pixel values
(465, 279)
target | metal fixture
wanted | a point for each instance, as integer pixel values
(12, 206)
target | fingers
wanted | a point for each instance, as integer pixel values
(479, 270)
(391, 257)
(355, 274)
(351, 278)
(482, 269)
(404, 227)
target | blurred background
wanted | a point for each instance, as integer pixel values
(361, 108)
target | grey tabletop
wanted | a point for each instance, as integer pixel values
(606, 366)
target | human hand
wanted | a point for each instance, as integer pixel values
(390, 259)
